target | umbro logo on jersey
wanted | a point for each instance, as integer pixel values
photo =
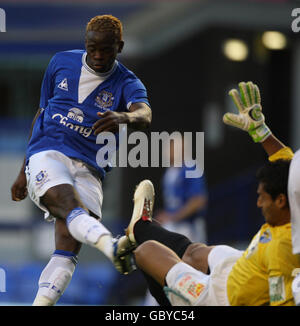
(63, 85)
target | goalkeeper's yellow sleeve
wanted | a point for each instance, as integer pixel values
(284, 153)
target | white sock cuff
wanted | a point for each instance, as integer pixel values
(66, 254)
(74, 213)
(84, 227)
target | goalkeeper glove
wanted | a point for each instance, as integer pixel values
(250, 117)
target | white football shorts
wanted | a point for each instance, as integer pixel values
(188, 286)
(294, 200)
(51, 168)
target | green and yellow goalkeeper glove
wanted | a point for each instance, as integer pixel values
(250, 117)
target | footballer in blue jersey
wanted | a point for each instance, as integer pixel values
(178, 190)
(72, 97)
(84, 93)
(184, 199)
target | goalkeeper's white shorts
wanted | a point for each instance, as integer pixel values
(51, 168)
(294, 200)
(188, 286)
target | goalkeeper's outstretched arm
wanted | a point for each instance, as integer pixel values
(272, 145)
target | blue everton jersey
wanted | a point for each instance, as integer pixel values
(71, 95)
(178, 190)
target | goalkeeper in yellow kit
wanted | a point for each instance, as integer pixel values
(249, 105)
(221, 275)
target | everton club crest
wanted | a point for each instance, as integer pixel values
(104, 100)
(41, 178)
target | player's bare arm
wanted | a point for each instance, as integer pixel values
(19, 187)
(272, 145)
(139, 117)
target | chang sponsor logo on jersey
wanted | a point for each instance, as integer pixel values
(76, 115)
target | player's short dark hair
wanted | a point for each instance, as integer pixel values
(274, 176)
(106, 23)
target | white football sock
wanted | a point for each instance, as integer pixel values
(88, 230)
(55, 278)
(105, 244)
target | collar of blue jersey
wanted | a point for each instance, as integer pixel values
(102, 75)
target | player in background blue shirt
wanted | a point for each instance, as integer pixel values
(83, 94)
(184, 199)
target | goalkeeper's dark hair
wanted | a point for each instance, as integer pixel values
(106, 23)
(274, 177)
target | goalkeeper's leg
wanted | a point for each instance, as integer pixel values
(142, 228)
(182, 284)
(194, 254)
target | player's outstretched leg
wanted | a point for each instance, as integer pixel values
(142, 228)
(63, 202)
(88, 230)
